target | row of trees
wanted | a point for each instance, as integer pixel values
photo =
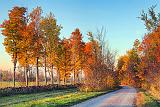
(141, 65)
(25, 38)
(33, 41)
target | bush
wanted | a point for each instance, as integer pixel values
(32, 89)
(98, 78)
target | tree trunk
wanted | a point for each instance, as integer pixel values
(37, 73)
(52, 75)
(14, 72)
(65, 78)
(45, 69)
(24, 73)
(64, 81)
(77, 78)
(26, 70)
(80, 77)
(58, 74)
(74, 74)
(26, 76)
(30, 74)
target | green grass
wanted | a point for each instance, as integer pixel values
(149, 101)
(16, 99)
(59, 101)
(55, 98)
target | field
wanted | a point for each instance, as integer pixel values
(53, 98)
(19, 84)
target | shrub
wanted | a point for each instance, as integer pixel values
(32, 89)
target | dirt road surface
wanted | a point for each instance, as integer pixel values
(124, 97)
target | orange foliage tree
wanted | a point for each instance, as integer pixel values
(12, 30)
(35, 16)
(77, 53)
(51, 32)
(99, 73)
(150, 51)
(144, 58)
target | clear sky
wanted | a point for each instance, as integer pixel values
(119, 17)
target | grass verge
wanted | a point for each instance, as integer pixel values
(150, 101)
(55, 98)
(144, 99)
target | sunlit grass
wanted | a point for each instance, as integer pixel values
(16, 99)
(145, 100)
(64, 100)
(53, 98)
(149, 101)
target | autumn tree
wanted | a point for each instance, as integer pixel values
(124, 77)
(35, 16)
(12, 30)
(51, 33)
(98, 75)
(66, 61)
(150, 48)
(134, 64)
(77, 53)
(58, 61)
(129, 67)
(26, 57)
(151, 19)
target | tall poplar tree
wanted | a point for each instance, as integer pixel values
(35, 16)
(51, 33)
(12, 30)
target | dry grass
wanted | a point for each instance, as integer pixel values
(18, 84)
(144, 99)
(140, 99)
(154, 91)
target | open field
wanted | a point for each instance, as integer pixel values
(53, 98)
(20, 84)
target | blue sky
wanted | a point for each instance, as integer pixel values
(119, 17)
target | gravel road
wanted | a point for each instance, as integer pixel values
(124, 97)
